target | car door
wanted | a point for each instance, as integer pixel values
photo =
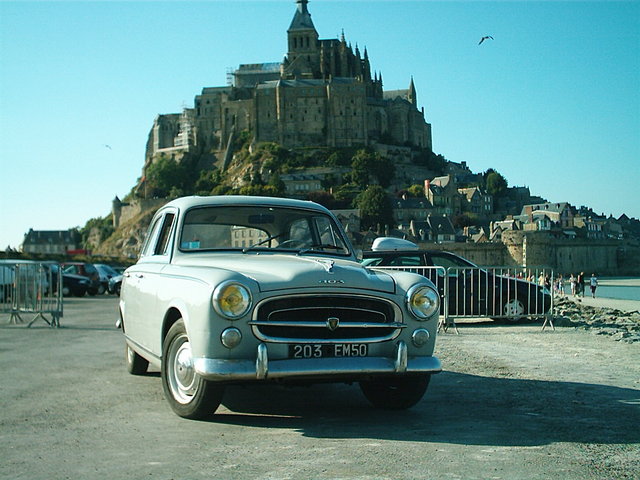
(141, 284)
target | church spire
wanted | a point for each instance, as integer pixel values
(413, 96)
(302, 18)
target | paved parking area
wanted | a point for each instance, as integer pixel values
(513, 403)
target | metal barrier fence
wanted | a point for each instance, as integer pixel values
(31, 288)
(510, 293)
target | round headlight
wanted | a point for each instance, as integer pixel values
(423, 301)
(231, 300)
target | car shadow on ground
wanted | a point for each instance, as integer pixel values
(458, 409)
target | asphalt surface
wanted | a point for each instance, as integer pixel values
(512, 403)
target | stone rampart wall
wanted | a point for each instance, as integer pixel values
(538, 249)
(130, 210)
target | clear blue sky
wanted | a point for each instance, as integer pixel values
(553, 102)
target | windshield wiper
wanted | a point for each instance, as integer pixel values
(325, 246)
(261, 242)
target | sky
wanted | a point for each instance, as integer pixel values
(552, 102)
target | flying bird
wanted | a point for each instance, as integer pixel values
(108, 146)
(488, 37)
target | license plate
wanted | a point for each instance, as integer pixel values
(321, 350)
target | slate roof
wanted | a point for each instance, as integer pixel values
(50, 237)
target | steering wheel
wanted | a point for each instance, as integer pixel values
(293, 243)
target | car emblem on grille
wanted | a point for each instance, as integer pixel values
(333, 323)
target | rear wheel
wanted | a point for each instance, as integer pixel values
(189, 395)
(395, 393)
(513, 310)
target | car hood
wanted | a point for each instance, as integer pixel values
(279, 272)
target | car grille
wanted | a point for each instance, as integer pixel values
(312, 319)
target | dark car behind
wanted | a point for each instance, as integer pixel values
(471, 290)
(72, 284)
(85, 270)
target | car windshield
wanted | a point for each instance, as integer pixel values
(251, 228)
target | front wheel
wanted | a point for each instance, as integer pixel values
(395, 393)
(189, 395)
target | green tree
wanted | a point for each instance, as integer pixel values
(465, 219)
(207, 181)
(496, 184)
(278, 185)
(366, 164)
(166, 174)
(361, 164)
(346, 194)
(375, 207)
(416, 191)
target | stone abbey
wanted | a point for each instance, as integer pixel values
(322, 94)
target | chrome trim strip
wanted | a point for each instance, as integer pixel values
(245, 370)
(386, 338)
(262, 362)
(142, 351)
(401, 357)
(316, 307)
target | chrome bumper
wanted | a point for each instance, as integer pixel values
(262, 368)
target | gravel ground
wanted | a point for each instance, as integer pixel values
(514, 402)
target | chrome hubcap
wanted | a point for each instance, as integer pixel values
(513, 308)
(182, 376)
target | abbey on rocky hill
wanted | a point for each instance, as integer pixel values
(322, 94)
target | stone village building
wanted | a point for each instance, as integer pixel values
(322, 94)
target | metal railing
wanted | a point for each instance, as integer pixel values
(510, 293)
(31, 288)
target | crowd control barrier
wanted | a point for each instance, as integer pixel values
(510, 293)
(31, 289)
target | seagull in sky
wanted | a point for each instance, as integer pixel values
(108, 146)
(488, 37)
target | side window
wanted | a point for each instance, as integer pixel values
(151, 236)
(372, 261)
(164, 239)
(407, 261)
(446, 262)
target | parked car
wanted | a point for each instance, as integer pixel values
(72, 284)
(115, 283)
(85, 270)
(106, 272)
(472, 290)
(234, 289)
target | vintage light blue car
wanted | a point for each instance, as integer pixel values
(234, 289)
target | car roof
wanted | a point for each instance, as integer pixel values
(376, 253)
(226, 200)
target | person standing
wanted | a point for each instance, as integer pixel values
(572, 280)
(580, 284)
(559, 286)
(594, 284)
